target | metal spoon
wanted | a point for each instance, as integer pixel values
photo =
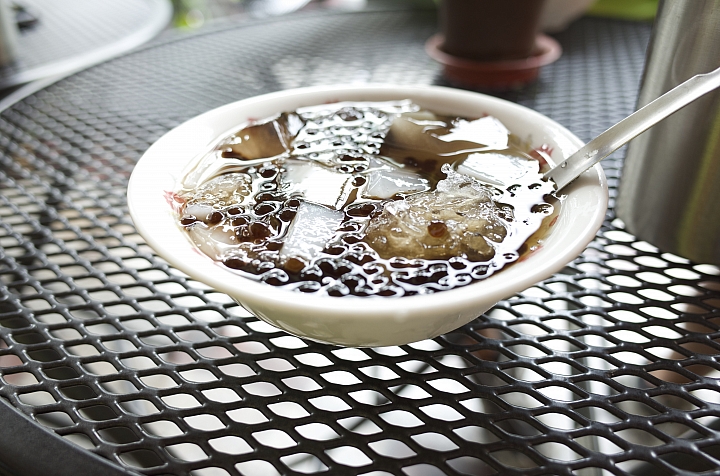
(632, 126)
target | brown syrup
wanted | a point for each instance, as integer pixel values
(367, 199)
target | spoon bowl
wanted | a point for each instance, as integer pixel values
(362, 321)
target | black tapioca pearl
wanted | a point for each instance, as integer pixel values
(333, 270)
(364, 210)
(352, 282)
(359, 181)
(399, 263)
(349, 115)
(276, 279)
(457, 263)
(273, 245)
(312, 273)
(259, 231)
(236, 263)
(275, 223)
(372, 147)
(371, 269)
(266, 197)
(214, 218)
(334, 250)
(239, 221)
(350, 239)
(387, 292)
(263, 265)
(437, 276)
(337, 291)
(416, 279)
(242, 233)
(264, 208)
(343, 268)
(268, 172)
(188, 220)
(437, 229)
(287, 214)
(360, 259)
(294, 265)
(292, 203)
(350, 226)
(327, 268)
(543, 208)
(480, 271)
(505, 212)
(309, 287)
(360, 292)
(234, 211)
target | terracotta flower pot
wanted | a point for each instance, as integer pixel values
(490, 30)
(491, 44)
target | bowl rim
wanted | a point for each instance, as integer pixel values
(143, 184)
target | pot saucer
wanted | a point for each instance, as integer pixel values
(494, 75)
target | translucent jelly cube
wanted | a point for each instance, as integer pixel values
(312, 227)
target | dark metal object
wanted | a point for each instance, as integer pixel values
(23, 441)
(24, 17)
(610, 365)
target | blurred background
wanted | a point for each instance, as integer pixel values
(42, 40)
(195, 13)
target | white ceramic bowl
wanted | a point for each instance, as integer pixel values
(361, 321)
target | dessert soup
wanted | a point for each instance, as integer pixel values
(367, 199)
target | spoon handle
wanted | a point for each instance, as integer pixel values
(632, 126)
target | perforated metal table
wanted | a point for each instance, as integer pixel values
(74, 34)
(112, 361)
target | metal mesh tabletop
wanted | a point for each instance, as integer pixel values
(73, 34)
(609, 367)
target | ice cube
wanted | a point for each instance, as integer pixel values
(311, 229)
(214, 241)
(408, 135)
(316, 183)
(201, 211)
(385, 184)
(458, 184)
(497, 168)
(223, 191)
(487, 131)
(388, 107)
(418, 143)
(261, 140)
(324, 137)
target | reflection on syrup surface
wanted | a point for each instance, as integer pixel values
(367, 199)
